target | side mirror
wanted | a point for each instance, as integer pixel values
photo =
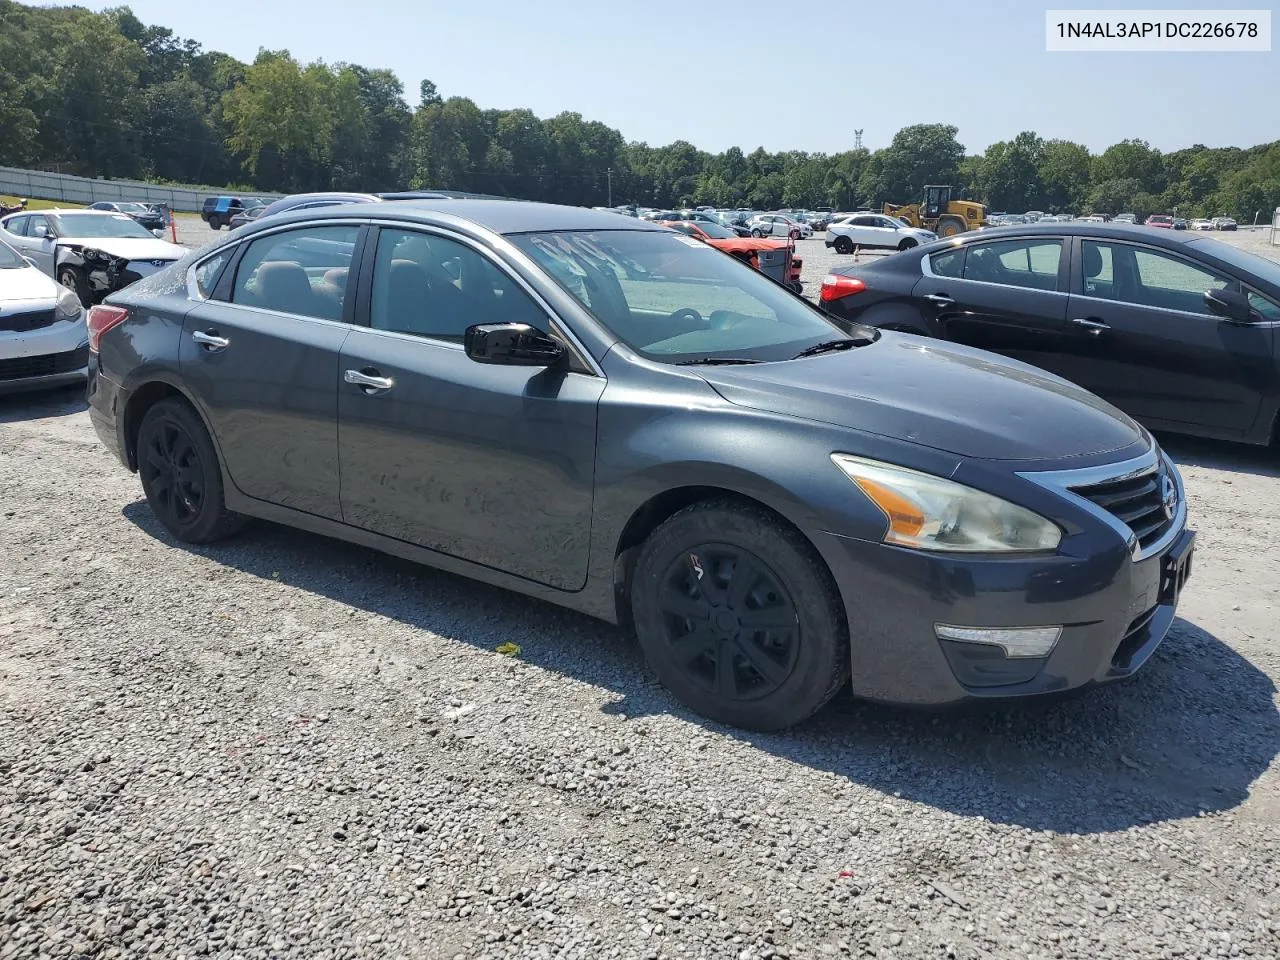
(513, 344)
(1230, 305)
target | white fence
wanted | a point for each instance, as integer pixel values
(39, 185)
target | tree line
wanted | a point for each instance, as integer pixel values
(103, 94)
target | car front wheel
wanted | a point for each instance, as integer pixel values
(843, 245)
(73, 279)
(739, 617)
(180, 474)
(906, 244)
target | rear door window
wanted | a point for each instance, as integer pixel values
(302, 271)
(948, 264)
(1028, 263)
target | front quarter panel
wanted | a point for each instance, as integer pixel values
(664, 428)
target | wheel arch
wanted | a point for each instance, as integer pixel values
(658, 509)
(141, 399)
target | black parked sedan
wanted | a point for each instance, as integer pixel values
(614, 417)
(1176, 329)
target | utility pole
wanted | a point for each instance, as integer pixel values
(857, 139)
(609, 174)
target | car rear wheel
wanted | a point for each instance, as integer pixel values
(843, 245)
(906, 244)
(756, 232)
(739, 617)
(73, 279)
(794, 234)
(181, 476)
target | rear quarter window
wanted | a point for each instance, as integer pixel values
(948, 264)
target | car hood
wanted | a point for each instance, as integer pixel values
(936, 394)
(22, 285)
(130, 248)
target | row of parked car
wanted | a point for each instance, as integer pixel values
(1158, 220)
(906, 488)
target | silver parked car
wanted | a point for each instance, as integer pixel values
(43, 338)
(92, 252)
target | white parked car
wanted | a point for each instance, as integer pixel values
(877, 230)
(43, 338)
(1203, 224)
(778, 225)
(89, 251)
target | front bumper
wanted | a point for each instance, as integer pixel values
(46, 357)
(1114, 613)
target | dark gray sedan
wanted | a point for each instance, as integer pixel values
(614, 417)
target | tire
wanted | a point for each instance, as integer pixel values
(756, 232)
(843, 244)
(181, 475)
(794, 659)
(950, 227)
(906, 244)
(73, 278)
(794, 234)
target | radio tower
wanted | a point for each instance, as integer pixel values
(857, 139)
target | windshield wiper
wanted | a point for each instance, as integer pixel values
(831, 346)
(713, 361)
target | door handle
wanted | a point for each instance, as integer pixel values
(1091, 327)
(369, 383)
(210, 341)
(940, 299)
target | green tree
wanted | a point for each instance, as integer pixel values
(926, 153)
(1064, 175)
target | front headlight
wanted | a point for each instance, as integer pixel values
(68, 305)
(929, 513)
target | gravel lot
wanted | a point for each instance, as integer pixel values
(283, 746)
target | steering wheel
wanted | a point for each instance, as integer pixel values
(689, 312)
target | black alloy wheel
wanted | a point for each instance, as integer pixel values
(730, 623)
(180, 474)
(738, 616)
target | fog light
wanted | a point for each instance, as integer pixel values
(1015, 641)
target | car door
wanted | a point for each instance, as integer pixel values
(861, 231)
(261, 359)
(1142, 337)
(15, 230)
(489, 463)
(1007, 296)
(40, 244)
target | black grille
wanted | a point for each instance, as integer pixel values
(1138, 502)
(30, 320)
(47, 365)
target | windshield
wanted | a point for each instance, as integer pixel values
(673, 298)
(715, 231)
(96, 226)
(1266, 270)
(9, 258)
(133, 208)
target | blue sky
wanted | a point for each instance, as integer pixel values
(800, 75)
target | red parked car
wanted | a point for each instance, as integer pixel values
(1161, 220)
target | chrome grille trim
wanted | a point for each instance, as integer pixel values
(1061, 482)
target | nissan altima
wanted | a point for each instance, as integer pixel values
(608, 415)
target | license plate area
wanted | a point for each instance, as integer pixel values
(1175, 567)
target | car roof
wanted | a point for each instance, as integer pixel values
(496, 216)
(1080, 228)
